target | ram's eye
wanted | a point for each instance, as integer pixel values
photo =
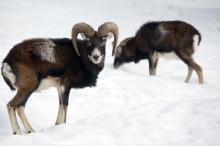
(119, 49)
(88, 43)
(103, 44)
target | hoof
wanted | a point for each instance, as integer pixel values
(30, 131)
(17, 133)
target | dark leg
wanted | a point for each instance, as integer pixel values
(199, 72)
(26, 85)
(192, 65)
(11, 106)
(21, 113)
(190, 70)
(15, 103)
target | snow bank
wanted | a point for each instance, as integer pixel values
(128, 107)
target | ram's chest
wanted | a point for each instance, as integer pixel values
(86, 81)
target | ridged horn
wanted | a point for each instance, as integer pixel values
(107, 27)
(84, 28)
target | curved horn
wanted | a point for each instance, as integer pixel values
(84, 28)
(107, 27)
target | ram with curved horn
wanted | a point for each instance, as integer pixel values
(82, 28)
(38, 64)
(110, 27)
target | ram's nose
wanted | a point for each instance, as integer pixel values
(116, 64)
(96, 57)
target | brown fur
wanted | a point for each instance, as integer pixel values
(161, 37)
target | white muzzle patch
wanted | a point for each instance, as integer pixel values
(96, 56)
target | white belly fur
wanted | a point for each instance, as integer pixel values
(47, 83)
(171, 55)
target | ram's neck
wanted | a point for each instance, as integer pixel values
(93, 68)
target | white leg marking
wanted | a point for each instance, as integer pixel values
(13, 119)
(59, 116)
(62, 116)
(190, 70)
(61, 112)
(27, 126)
(155, 56)
(155, 61)
(65, 112)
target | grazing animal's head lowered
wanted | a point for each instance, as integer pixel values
(38, 64)
(126, 52)
(168, 39)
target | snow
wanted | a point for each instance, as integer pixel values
(128, 107)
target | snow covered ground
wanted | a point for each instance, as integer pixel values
(128, 107)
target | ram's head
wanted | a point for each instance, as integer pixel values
(95, 40)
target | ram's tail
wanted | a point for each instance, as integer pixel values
(8, 75)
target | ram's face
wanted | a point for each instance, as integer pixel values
(120, 56)
(96, 48)
(125, 53)
(95, 40)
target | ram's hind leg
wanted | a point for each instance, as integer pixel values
(192, 65)
(26, 85)
(13, 119)
(199, 72)
(21, 113)
(190, 70)
(14, 104)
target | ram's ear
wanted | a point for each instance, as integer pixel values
(119, 49)
(109, 36)
(113, 44)
(108, 27)
(83, 36)
(84, 28)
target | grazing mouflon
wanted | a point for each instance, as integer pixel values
(168, 39)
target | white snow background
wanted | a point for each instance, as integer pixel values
(128, 107)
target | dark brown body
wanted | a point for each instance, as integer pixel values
(67, 64)
(175, 39)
